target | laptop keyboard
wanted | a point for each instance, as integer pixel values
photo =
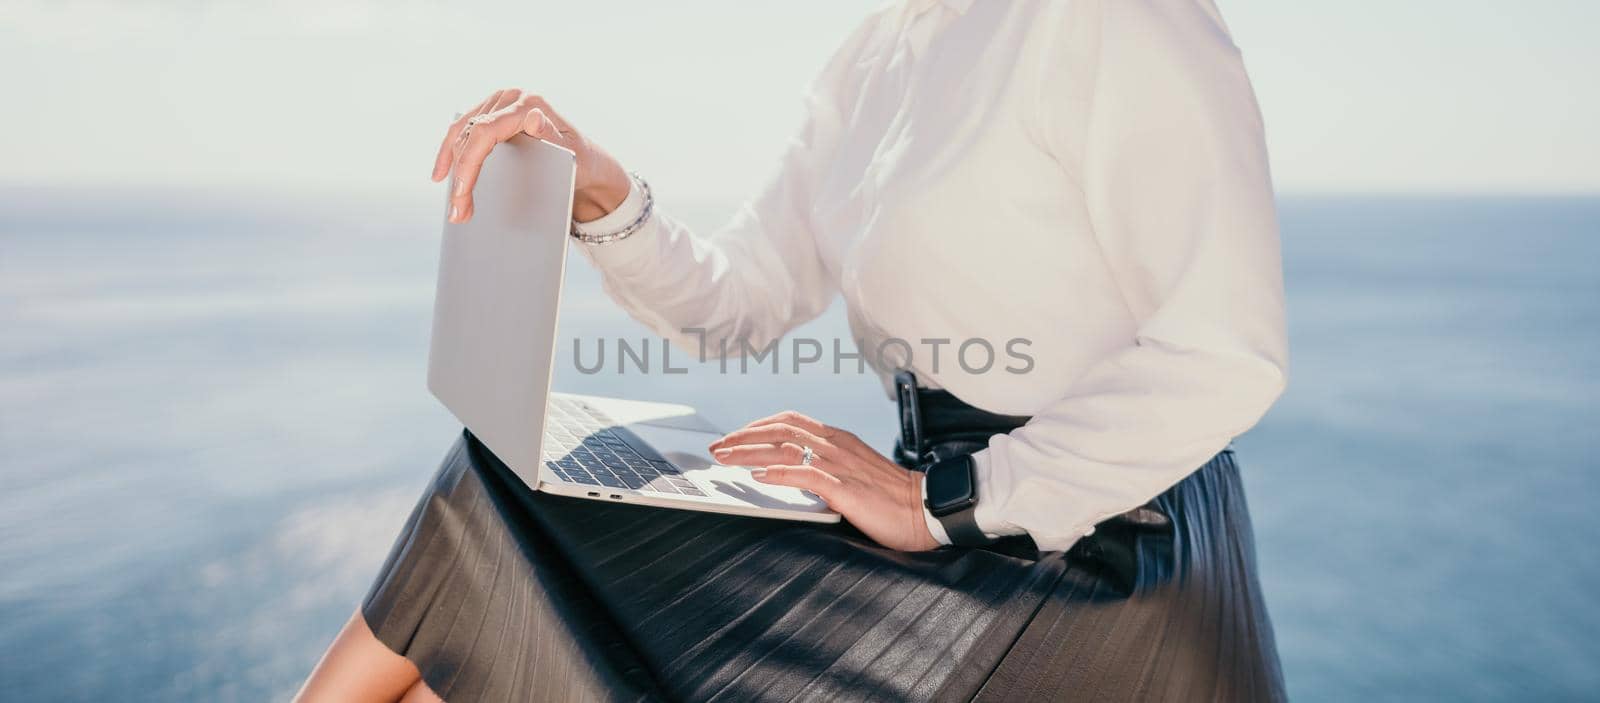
(581, 446)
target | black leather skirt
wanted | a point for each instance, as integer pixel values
(500, 593)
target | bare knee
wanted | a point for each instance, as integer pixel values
(420, 693)
(359, 668)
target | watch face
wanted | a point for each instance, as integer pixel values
(950, 487)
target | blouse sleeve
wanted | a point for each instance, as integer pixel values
(747, 284)
(1170, 152)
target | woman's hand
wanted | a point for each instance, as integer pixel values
(602, 184)
(878, 496)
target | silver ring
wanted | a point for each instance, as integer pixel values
(806, 455)
(475, 121)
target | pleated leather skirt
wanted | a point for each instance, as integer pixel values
(500, 593)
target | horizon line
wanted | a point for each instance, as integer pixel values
(283, 190)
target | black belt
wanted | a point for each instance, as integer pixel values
(936, 425)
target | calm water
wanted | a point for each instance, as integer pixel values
(212, 422)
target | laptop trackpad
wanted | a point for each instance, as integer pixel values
(687, 450)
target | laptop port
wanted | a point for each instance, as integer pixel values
(615, 497)
(594, 494)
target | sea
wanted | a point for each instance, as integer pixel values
(213, 421)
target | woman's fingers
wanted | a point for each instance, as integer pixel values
(448, 147)
(809, 478)
(775, 433)
(504, 98)
(470, 139)
(481, 139)
(876, 495)
(763, 454)
(441, 161)
(537, 124)
(447, 152)
(843, 441)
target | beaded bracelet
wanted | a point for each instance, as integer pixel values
(625, 232)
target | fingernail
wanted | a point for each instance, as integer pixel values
(722, 453)
(455, 213)
(758, 473)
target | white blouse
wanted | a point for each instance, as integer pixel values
(1088, 175)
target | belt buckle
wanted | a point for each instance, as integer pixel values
(905, 391)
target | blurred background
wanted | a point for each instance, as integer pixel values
(217, 250)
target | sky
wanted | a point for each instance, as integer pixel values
(1360, 96)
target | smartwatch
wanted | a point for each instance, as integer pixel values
(951, 487)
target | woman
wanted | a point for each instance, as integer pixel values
(1086, 176)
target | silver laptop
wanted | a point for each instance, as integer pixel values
(492, 360)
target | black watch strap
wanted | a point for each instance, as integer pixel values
(952, 498)
(962, 528)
